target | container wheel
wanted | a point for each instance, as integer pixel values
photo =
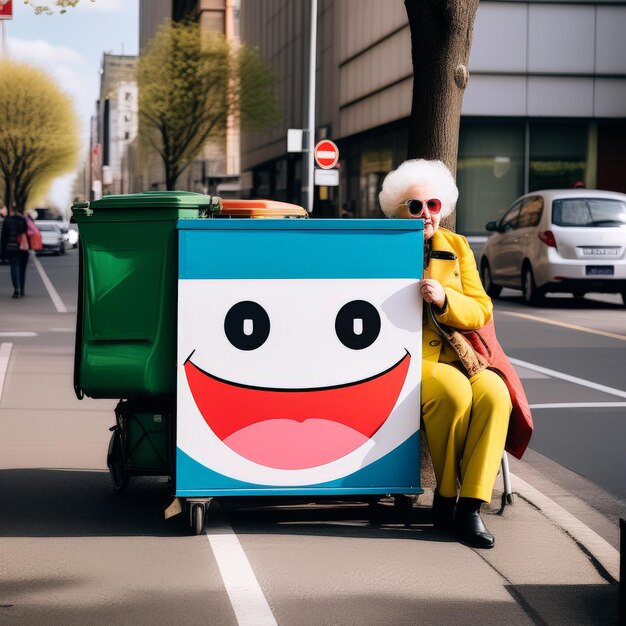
(117, 463)
(197, 518)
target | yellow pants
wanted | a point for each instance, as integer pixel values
(466, 421)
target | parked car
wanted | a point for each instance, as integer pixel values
(558, 240)
(51, 237)
(70, 235)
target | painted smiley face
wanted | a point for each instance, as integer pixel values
(298, 381)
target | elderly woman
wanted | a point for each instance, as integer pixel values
(465, 417)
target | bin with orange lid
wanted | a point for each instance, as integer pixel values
(268, 209)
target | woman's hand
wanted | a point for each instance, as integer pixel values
(432, 291)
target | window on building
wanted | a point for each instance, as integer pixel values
(213, 21)
(558, 155)
(281, 180)
(490, 172)
(376, 163)
(128, 96)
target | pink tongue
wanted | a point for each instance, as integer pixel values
(287, 444)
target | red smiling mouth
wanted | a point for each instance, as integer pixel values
(296, 428)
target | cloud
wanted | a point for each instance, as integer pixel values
(41, 52)
(109, 6)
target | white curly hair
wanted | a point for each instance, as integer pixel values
(432, 177)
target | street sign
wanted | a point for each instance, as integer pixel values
(326, 178)
(294, 139)
(326, 154)
(6, 9)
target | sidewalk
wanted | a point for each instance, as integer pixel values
(555, 568)
(556, 558)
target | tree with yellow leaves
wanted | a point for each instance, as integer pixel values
(191, 82)
(38, 133)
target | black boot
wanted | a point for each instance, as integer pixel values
(443, 513)
(16, 294)
(469, 525)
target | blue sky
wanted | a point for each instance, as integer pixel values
(70, 48)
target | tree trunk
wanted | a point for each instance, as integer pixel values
(441, 39)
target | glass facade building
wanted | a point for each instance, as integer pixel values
(545, 106)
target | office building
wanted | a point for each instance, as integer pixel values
(545, 106)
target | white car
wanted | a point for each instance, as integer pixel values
(70, 234)
(52, 238)
(558, 240)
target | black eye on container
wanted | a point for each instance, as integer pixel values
(247, 325)
(357, 324)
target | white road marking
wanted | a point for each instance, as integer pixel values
(245, 594)
(578, 405)
(572, 379)
(583, 329)
(5, 355)
(18, 333)
(52, 292)
(598, 547)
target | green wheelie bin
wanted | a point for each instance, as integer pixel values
(126, 320)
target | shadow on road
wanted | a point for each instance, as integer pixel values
(81, 503)
(330, 517)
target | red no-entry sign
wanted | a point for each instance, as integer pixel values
(6, 10)
(326, 154)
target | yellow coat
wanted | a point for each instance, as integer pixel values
(469, 307)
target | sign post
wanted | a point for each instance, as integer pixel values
(6, 13)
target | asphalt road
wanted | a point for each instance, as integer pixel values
(72, 551)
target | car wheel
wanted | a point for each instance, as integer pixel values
(493, 291)
(531, 293)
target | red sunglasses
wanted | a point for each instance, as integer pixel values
(416, 207)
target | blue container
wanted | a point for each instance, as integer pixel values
(299, 357)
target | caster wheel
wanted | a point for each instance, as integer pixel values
(197, 519)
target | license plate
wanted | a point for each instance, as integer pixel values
(600, 270)
(601, 251)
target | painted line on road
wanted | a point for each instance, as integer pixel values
(600, 549)
(578, 405)
(18, 333)
(572, 379)
(5, 355)
(52, 292)
(583, 329)
(245, 594)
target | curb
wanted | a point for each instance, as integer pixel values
(599, 550)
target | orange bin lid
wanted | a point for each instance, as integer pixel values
(260, 208)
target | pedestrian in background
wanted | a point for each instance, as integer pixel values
(15, 247)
